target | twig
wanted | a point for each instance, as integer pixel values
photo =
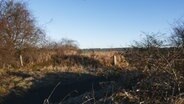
(46, 101)
(93, 93)
(67, 96)
(88, 100)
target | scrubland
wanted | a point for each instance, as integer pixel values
(36, 70)
(139, 76)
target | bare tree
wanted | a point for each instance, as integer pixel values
(18, 28)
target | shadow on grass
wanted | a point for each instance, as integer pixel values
(41, 89)
(72, 85)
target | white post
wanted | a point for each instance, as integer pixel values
(21, 61)
(115, 61)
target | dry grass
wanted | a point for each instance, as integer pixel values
(162, 81)
(107, 58)
(83, 63)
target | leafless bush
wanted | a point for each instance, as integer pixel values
(151, 40)
(163, 66)
(67, 47)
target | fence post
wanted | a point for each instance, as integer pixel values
(21, 61)
(115, 60)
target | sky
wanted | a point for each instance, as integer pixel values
(105, 23)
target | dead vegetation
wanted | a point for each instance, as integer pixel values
(155, 77)
(151, 72)
(139, 75)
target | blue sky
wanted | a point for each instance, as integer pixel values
(105, 23)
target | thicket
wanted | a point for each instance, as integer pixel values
(162, 61)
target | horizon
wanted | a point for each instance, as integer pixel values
(105, 23)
